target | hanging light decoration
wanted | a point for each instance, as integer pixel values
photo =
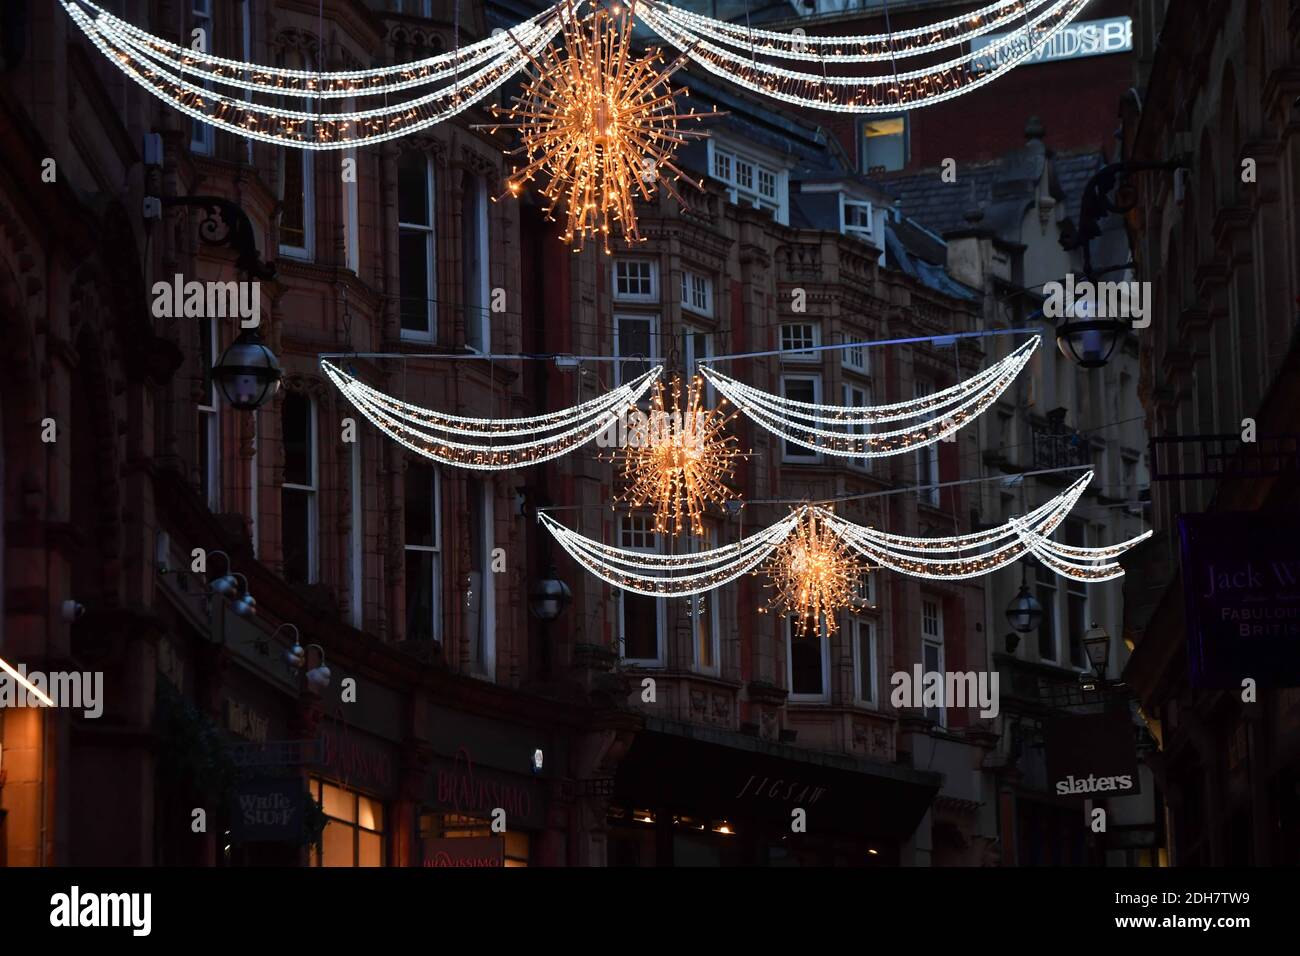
(751, 59)
(298, 107)
(853, 432)
(489, 444)
(306, 108)
(601, 124)
(679, 462)
(953, 557)
(814, 573)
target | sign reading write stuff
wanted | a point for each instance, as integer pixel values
(1241, 584)
(267, 811)
(1091, 755)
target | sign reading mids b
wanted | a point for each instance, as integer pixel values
(1074, 40)
(1241, 586)
(1091, 755)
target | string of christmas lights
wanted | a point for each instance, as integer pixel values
(598, 190)
(868, 48)
(739, 62)
(810, 575)
(936, 416)
(660, 575)
(436, 435)
(186, 80)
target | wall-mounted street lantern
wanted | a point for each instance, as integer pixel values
(234, 586)
(1024, 612)
(549, 597)
(1097, 643)
(1086, 340)
(248, 373)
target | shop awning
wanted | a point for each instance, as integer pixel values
(701, 771)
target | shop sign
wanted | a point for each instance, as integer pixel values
(356, 760)
(465, 851)
(461, 788)
(1072, 42)
(797, 793)
(1241, 586)
(244, 721)
(267, 811)
(1091, 755)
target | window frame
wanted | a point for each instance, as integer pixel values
(202, 135)
(661, 615)
(480, 270)
(312, 491)
(1046, 581)
(350, 204)
(430, 233)
(483, 657)
(865, 233)
(651, 297)
(802, 356)
(710, 601)
(864, 166)
(652, 318)
(210, 414)
(855, 625)
(307, 251)
(689, 277)
(435, 505)
(929, 454)
(861, 463)
(752, 194)
(939, 642)
(317, 854)
(824, 644)
(801, 455)
(691, 361)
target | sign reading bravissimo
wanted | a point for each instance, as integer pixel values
(1241, 584)
(1071, 42)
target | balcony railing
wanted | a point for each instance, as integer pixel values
(1215, 457)
(1056, 447)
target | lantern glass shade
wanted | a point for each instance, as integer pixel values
(248, 373)
(548, 598)
(1088, 343)
(1097, 643)
(1024, 612)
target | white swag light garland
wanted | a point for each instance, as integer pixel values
(413, 96)
(929, 418)
(945, 558)
(186, 79)
(488, 444)
(741, 62)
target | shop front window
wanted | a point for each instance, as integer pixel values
(354, 833)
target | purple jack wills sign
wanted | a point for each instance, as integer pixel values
(1241, 582)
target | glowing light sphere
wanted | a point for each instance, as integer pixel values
(679, 461)
(814, 574)
(601, 124)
